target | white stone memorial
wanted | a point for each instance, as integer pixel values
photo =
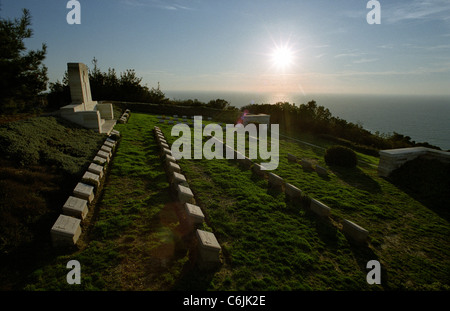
(83, 110)
(75, 207)
(66, 231)
(394, 158)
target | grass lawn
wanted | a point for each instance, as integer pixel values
(135, 241)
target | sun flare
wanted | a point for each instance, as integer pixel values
(283, 57)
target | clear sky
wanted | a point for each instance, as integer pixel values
(229, 45)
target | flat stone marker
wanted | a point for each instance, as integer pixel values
(292, 191)
(106, 149)
(209, 248)
(185, 194)
(357, 233)
(110, 140)
(91, 177)
(100, 160)
(246, 162)
(109, 144)
(165, 151)
(115, 132)
(75, 207)
(291, 157)
(65, 231)
(84, 191)
(173, 167)
(178, 178)
(96, 169)
(257, 169)
(170, 158)
(319, 208)
(194, 213)
(306, 164)
(103, 154)
(164, 145)
(321, 171)
(275, 180)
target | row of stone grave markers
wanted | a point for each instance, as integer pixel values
(208, 246)
(352, 230)
(125, 116)
(184, 120)
(67, 228)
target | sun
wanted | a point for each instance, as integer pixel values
(283, 57)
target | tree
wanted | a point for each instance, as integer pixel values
(22, 73)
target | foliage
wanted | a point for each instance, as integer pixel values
(340, 156)
(126, 86)
(318, 120)
(22, 73)
(48, 141)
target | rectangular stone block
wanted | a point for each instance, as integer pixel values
(96, 169)
(65, 231)
(307, 165)
(109, 144)
(321, 171)
(178, 179)
(169, 158)
(99, 160)
(165, 151)
(319, 208)
(357, 233)
(173, 167)
(106, 149)
(91, 177)
(257, 169)
(275, 180)
(163, 145)
(194, 213)
(84, 191)
(115, 132)
(292, 158)
(185, 194)
(103, 154)
(110, 140)
(292, 191)
(209, 248)
(75, 207)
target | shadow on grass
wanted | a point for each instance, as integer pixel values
(355, 177)
(427, 181)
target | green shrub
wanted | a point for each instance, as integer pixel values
(340, 156)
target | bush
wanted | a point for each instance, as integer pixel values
(340, 156)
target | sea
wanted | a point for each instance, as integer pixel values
(424, 118)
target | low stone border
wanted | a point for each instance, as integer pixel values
(67, 228)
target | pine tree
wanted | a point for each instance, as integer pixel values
(22, 73)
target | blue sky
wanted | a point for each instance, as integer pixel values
(228, 45)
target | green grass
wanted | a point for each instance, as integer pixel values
(135, 240)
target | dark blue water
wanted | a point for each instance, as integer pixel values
(423, 118)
